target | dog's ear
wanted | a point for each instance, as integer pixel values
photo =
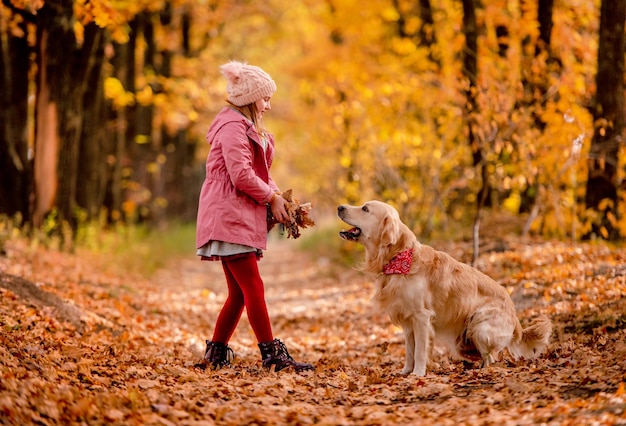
(389, 231)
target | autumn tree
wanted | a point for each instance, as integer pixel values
(472, 114)
(603, 189)
(437, 107)
(59, 111)
(67, 93)
(536, 57)
(15, 163)
(94, 146)
(79, 169)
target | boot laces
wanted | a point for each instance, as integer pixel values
(280, 350)
(219, 354)
(276, 353)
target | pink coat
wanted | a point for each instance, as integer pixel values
(237, 185)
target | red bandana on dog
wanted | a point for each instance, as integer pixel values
(400, 263)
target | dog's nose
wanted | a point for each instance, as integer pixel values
(340, 209)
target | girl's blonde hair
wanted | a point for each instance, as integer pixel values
(251, 112)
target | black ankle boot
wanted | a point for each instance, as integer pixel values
(275, 353)
(218, 354)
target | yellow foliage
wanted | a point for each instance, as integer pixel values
(381, 111)
(31, 6)
(159, 99)
(129, 207)
(153, 168)
(390, 14)
(345, 162)
(513, 202)
(111, 14)
(604, 232)
(114, 90)
(144, 96)
(161, 202)
(142, 139)
(605, 204)
(403, 46)
(79, 31)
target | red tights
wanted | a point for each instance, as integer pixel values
(245, 288)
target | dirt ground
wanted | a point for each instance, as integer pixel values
(80, 344)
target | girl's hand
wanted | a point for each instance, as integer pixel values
(278, 205)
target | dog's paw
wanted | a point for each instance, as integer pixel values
(420, 372)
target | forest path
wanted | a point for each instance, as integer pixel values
(133, 361)
(299, 289)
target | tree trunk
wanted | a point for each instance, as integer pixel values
(608, 115)
(62, 84)
(536, 92)
(145, 142)
(123, 123)
(185, 166)
(15, 165)
(470, 72)
(544, 16)
(92, 172)
(58, 113)
(46, 133)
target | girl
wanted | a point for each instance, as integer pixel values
(232, 212)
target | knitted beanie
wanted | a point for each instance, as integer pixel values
(246, 83)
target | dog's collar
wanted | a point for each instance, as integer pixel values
(400, 263)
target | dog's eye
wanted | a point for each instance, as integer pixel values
(365, 209)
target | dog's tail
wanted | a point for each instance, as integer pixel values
(533, 340)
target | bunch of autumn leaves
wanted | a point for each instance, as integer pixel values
(298, 216)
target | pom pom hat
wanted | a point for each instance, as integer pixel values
(246, 83)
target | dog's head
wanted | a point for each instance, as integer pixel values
(378, 227)
(374, 223)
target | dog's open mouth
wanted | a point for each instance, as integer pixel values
(351, 234)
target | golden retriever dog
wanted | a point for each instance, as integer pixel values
(430, 295)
